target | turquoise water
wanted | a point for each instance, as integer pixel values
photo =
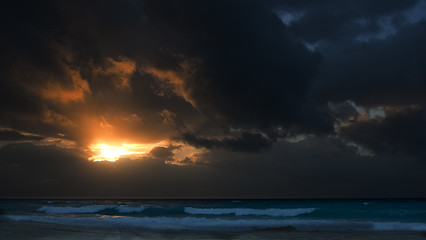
(224, 215)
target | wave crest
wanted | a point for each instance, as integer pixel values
(273, 212)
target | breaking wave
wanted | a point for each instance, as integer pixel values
(273, 212)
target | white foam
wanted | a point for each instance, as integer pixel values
(218, 224)
(68, 209)
(273, 212)
(129, 209)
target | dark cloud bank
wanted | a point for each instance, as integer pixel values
(285, 98)
(315, 168)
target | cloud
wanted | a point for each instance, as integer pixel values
(8, 135)
(402, 131)
(242, 69)
(175, 79)
(379, 72)
(310, 169)
(331, 21)
(118, 72)
(343, 112)
(213, 88)
(54, 90)
(240, 79)
(164, 153)
(246, 142)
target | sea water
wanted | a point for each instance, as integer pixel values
(213, 219)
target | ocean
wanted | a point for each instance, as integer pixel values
(213, 219)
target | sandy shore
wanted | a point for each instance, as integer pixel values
(34, 230)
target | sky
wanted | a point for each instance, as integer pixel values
(213, 99)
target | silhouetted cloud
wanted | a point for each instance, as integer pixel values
(247, 142)
(400, 132)
(8, 135)
(311, 168)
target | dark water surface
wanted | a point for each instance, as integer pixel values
(213, 219)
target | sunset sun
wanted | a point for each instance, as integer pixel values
(109, 153)
(112, 153)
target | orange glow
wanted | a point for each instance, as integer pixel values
(56, 91)
(120, 71)
(174, 78)
(110, 153)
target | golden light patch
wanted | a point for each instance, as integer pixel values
(175, 79)
(186, 154)
(111, 153)
(123, 69)
(119, 71)
(122, 66)
(56, 91)
(104, 123)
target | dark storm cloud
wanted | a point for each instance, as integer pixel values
(400, 132)
(324, 167)
(343, 111)
(163, 153)
(8, 135)
(29, 61)
(242, 68)
(22, 43)
(337, 20)
(28, 170)
(249, 71)
(63, 173)
(62, 74)
(372, 52)
(378, 72)
(247, 142)
(334, 171)
(259, 80)
(381, 72)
